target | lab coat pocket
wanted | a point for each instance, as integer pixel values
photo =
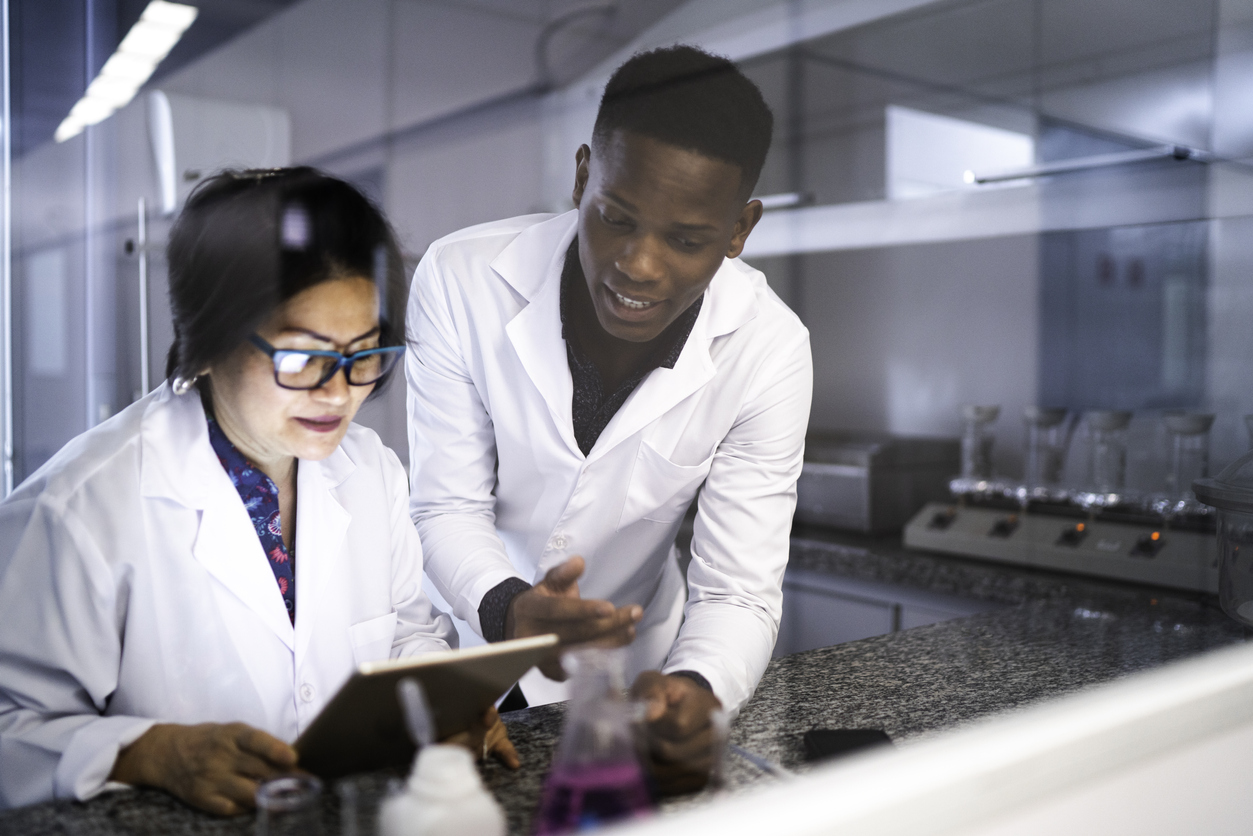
(660, 490)
(372, 640)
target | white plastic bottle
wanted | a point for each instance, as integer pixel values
(444, 797)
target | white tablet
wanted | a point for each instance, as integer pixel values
(362, 728)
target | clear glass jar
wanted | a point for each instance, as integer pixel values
(1231, 492)
(1107, 450)
(1189, 456)
(978, 440)
(290, 806)
(1047, 439)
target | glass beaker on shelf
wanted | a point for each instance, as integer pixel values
(1048, 438)
(1189, 456)
(977, 441)
(597, 776)
(1107, 449)
(1231, 492)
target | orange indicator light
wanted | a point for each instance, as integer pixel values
(1155, 536)
(1079, 527)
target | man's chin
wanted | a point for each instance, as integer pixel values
(633, 332)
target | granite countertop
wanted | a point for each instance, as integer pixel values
(1053, 635)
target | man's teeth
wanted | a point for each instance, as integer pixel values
(631, 303)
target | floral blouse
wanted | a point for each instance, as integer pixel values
(260, 496)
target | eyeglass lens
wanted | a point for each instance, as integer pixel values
(298, 370)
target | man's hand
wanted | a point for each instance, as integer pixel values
(681, 735)
(213, 767)
(488, 736)
(554, 606)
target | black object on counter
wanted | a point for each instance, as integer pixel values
(824, 744)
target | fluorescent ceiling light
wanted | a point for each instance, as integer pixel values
(114, 92)
(130, 67)
(149, 40)
(145, 45)
(91, 111)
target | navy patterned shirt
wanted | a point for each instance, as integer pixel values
(260, 497)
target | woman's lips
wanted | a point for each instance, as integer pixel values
(321, 424)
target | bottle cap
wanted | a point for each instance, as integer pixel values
(443, 771)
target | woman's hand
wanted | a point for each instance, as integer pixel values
(213, 767)
(488, 736)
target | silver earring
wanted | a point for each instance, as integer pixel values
(182, 385)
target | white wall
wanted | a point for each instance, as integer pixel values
(903, 336)
(357, 77)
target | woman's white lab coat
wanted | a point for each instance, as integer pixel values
(134, 589)
(501, 489)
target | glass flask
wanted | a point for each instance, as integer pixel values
(1047, 440)
(290, 806)
(596, 777)
(977, 441)
(1189, 456)
(1231, 492)
(1107, 449)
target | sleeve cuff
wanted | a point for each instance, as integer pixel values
(495, 605)
(85, 765)
(695, 677)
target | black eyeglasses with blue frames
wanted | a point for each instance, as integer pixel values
(312, 369)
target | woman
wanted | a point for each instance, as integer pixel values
(186, 585)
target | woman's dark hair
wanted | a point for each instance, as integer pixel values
(247, 241)
(688, 98)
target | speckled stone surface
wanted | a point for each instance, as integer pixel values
(1054, 634)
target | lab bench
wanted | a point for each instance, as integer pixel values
(1001, 637)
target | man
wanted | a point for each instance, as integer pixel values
(575, 381)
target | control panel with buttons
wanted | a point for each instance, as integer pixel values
(1004, 527)
(1177, 558)
(1073, 535)
(1149, 545)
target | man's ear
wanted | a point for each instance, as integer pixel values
(582, 157)
(749, 216)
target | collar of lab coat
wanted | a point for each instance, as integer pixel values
(178, 463)
(532, 265)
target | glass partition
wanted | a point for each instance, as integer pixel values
(986, 201)
(1018, 202)
(433, 109)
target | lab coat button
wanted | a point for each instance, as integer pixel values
(559, 542)
(306, 692)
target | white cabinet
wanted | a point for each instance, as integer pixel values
(820, 610)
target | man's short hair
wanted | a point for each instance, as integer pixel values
(688, 98)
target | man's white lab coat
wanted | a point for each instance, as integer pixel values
(134, 589)
(500, 488)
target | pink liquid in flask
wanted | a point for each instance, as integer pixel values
(587, 796)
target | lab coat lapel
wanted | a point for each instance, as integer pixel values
(321, 527)
(178, 463)
(227, 546)
(532, 265)
(730, 302)
(660, 391)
